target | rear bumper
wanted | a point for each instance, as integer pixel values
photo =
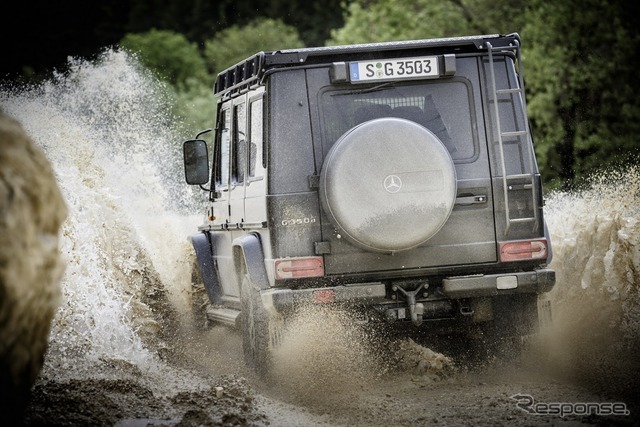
(489, 285)
(481, 285)
(362, 293)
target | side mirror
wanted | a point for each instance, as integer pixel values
(196, 161)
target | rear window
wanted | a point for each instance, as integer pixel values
(443, 107)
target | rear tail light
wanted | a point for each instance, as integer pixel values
(298, 268)
(522, 250)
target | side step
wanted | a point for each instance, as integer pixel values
(225, 316)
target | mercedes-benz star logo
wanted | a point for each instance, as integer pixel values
(392, 183)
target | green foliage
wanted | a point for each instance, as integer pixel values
(314, 19)
(195, 105)
(201, 20)
(170, 55)
(388, 20)
(236, 43)
(173, 59)
(581, 64)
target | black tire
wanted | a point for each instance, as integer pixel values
(258, 329)
(515, 319)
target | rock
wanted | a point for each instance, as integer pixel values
(31, 213)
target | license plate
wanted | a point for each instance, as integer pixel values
(394, 69)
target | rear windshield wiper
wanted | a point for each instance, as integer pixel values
(366, 90)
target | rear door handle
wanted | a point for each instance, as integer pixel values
(471, 200)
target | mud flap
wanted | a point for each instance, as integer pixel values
(515, 315)
(251, 248)
(204, 255)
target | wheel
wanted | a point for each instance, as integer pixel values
(261, 331)
(515, 319)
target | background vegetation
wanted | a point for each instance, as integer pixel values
(580, 56)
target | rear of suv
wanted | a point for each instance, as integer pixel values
(396, 177)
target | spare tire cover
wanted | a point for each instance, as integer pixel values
(388, 185)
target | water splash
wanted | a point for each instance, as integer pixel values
(324, 354)
(596, 301)
(107, 129)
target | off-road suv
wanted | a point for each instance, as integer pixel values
(397, 177)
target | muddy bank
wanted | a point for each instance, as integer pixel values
(125, 401)
(128, 396)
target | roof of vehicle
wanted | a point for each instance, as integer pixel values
(249, 72)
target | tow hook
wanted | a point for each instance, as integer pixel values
(416, 310)
(465, 309)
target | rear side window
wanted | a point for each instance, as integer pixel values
(445, 108)
(223, 149)
(256, 167)
(239, 155)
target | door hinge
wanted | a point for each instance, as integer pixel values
(314, 181)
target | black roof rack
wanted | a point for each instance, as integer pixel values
(241, 75)
(248, 72)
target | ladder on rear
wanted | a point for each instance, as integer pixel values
(507, 180)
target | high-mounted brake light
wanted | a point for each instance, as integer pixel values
(522, 250)
(298, 268)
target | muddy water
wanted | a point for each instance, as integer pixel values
(103, 130)
(595, 232)
(122, 350)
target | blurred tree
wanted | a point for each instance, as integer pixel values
(314, 19)
(55, 30)
(172, 58)
(236, 43)
(201, 20)
(386, 20)
(198, 20)
(581, 60)
(170, 55)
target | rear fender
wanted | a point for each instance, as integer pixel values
(248, 249)
(204, 247)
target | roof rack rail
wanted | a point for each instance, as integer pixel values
(248, 72)
(240, 75)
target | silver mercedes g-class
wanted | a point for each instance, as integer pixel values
(396, 177)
